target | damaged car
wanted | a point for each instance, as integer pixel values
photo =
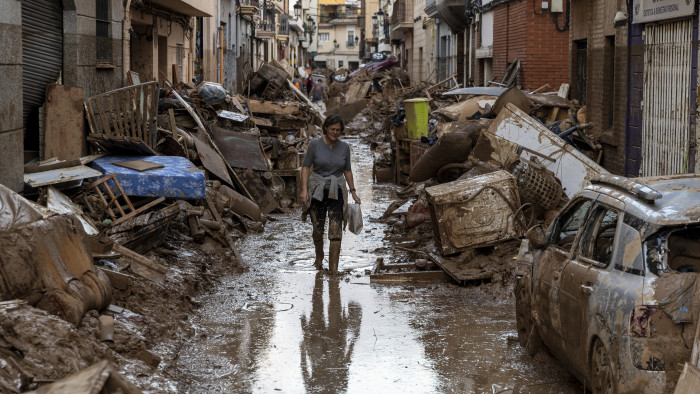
(610, 288)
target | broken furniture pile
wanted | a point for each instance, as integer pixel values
(479, 173)
(176, 167)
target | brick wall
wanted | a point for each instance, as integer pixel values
(509, 37)
(547, 49)
(520, 34)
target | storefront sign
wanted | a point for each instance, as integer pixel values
(655, 10)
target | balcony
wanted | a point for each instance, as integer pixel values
(283, 28)
(431, 8)
(264, 30)
(249, 7)
(402, 16)
(188, 7)
(350, 43)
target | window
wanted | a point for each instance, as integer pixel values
(324, 37)
(179, 54)
(609, 84)
(103, 44)
(351, 36)
(567, 226)
(599, 236)
(581, 70)
(340, 63)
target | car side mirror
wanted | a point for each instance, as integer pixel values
(536, 237)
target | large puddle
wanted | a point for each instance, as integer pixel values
(284, 327)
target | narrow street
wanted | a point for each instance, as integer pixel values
(282, 326)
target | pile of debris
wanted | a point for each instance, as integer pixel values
(97, 240)
(480, 169)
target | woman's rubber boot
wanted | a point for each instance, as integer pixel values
(334, 257)
(318, 263)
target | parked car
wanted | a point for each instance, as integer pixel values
(378, 63)
(610, 290)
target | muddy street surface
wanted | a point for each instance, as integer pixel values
(283, 326)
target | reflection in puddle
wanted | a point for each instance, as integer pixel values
(328, 339)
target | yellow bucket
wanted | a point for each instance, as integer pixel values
(417, 117)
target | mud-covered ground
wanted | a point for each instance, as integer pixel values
(273, 323)
(282, 326)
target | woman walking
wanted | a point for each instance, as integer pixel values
(324, 175)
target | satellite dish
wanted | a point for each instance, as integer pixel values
(302, 73)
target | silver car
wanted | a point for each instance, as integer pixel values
(610, 286)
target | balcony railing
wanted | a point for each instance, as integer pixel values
(265, 27)
(253, 3)
(283, 28)
(403, 12)
(350, 43)
(327, 18)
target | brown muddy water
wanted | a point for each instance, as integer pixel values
(283, 327)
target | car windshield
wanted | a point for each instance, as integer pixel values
(676, 249)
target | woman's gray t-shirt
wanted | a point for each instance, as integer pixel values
(327, 161)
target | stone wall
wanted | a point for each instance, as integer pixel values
(606, 82)
(11, 135)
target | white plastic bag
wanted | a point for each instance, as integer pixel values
(355, 218)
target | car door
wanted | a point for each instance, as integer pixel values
(585, 279)
(548, 269)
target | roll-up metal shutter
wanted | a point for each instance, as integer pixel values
(668, 51)
(42, 50)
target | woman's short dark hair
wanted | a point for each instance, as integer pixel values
(333, 119)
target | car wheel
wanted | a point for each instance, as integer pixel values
(378, 56)
(528, 335)
(602, 378)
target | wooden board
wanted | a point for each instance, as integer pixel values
(60, 175)
(388, 273)
(357, 91)
(141, 265)
(64, 136)
(138, 165)
(272, 108)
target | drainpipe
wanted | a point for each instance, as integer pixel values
(126, 55)
(437, 49)
(220, 34)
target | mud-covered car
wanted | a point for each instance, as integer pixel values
(611, 285)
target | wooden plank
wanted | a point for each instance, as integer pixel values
(105, 125)
(60, 175)
(564, 93)
(141, 265)
(212, 209)
(173, 124)
(413, 276)
(138, 165)
(176, 76)
(272, 108)
(138, 211)
(63, 136)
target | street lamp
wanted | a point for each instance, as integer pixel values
(335, 43)
(357, 39)
(297, 10)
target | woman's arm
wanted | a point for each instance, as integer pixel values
(304, 192)
(351, 182)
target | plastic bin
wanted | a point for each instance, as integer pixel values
(417, 117)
